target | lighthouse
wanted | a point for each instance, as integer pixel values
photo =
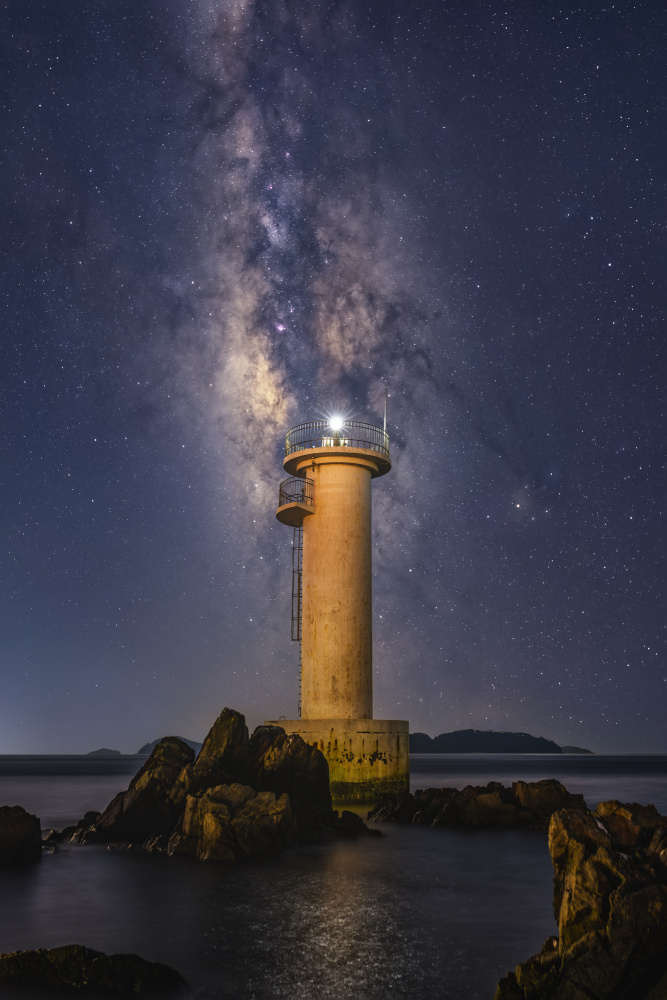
(327, 502)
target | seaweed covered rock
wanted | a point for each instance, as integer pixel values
(232, 822)
(74, 967)
(20, 836)
(525, 804)
(286, 763)
(146, 810)
(610, 901)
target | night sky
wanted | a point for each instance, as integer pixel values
(222, 218)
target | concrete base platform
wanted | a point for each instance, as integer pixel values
(367, 757)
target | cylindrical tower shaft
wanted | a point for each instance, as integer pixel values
(336, 630)
(327, 500)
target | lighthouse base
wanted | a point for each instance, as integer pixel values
(367, 758)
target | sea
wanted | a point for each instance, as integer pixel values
(419, 912)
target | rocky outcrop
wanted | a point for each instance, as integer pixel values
(233, 822)
(20, 836)
(146, 809)
(525, 804)
(286, 763)
(350, 825)
(73, 834)
(222, 760)
(610, 901)
(74, 967)
(240, 797)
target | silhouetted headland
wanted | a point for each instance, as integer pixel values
(486, 741)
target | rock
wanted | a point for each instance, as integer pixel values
(525, 804)
(222, 760)
(349, 826)
(610, 900)
(148, 748)
(544, 797)
(232, 822)
(146, 809)
(82, 969)
(281, 763)
(240, 797)
(104, 752)
(20, 836)
(52, 838)
(74, 834)
(396, 808)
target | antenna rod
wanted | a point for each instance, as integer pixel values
(385, 409)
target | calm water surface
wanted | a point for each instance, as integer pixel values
(420, 912)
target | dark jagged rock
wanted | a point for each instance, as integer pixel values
(286, 763)
(74, 967)
(240, 797)
(349, 826)
(145, 809)
(525, 804)
(610, 900)
(74, 834)
(148, 748)
(543, 798)
(222, 760)
(232, 822)
(20, 836)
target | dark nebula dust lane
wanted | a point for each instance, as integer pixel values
(223, 218)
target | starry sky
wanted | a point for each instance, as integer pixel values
(221, 218)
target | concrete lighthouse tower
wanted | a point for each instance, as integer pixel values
(327, 501)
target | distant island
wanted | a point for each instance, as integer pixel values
(148, 748)
(486, 741)
(461, 741)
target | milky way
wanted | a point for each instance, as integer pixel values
(225, 218)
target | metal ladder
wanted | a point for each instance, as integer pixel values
(297, 566)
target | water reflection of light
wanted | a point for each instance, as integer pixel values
(341, 931)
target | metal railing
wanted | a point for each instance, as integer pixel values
(296, 490)
(353, 434)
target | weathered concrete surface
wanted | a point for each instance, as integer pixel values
(610, 901)
(336, 627)
(367, 758)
